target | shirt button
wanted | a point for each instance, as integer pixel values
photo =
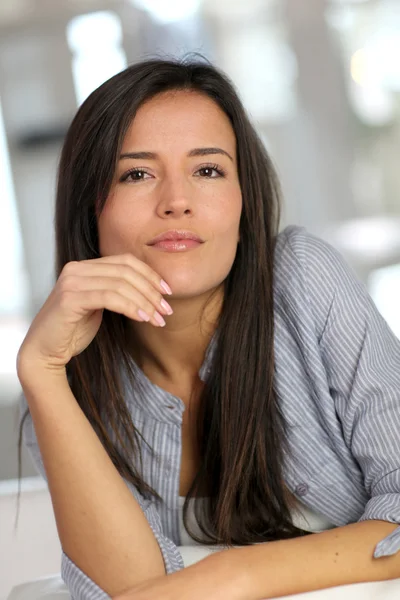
(302, 489)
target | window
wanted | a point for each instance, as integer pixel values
(95, 42)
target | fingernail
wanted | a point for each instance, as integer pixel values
(166, 307)
(143, 315)
(166, 287)
(159, 319)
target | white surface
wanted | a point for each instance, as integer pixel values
(52, 588)
(34, 550)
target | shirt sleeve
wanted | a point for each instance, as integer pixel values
(80, 586)
(362, 360)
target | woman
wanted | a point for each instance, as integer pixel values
(270, 396)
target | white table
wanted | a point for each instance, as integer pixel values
(53, 588)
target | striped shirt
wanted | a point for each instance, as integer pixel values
(337, 378)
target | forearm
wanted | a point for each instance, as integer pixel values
(101, 526)
(339, 556)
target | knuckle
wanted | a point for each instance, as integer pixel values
(127, 258)
(124, 271)
(129, 262)
(152, 274)
(70, 267)
(67, 282)
(121, 286)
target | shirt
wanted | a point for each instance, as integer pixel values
(337, 378)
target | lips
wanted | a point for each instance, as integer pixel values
(175, 236)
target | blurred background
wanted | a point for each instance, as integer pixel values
(319, 78)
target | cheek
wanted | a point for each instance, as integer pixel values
(117, 229)
(226, 234)
(227, 216)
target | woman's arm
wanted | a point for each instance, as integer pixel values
(101, 526)
(336, 557)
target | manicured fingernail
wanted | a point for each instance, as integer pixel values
(166, 307)
(143, 315)
(166, 287)
(159, 319)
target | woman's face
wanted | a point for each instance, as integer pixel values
(187, 180)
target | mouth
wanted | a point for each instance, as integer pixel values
(181, 245)
(174, 235)
(176, 240)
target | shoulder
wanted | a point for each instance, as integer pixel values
(300, 255)
(309, 275)
(299, 252)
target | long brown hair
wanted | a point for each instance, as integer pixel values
(241, 430)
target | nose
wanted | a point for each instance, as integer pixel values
(175, 198)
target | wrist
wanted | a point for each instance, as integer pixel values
(34, 375)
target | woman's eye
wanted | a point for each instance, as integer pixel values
(209, 170)
(134, 175)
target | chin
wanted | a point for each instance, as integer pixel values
(193, 287)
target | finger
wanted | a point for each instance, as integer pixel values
(84, 283)
(137, 265)
(83, 301)
(117, 273)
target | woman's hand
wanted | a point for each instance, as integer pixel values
(72, 314)
(216, 577)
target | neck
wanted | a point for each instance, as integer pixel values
(175, 353)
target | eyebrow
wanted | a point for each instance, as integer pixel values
(194, 152)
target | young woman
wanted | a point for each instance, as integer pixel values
(189, 353)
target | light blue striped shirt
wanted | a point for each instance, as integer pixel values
(337, 377)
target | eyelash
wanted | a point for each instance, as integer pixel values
(221, 172)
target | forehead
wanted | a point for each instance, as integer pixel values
(180, 118)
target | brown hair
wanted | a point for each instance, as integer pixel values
(241, 430)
